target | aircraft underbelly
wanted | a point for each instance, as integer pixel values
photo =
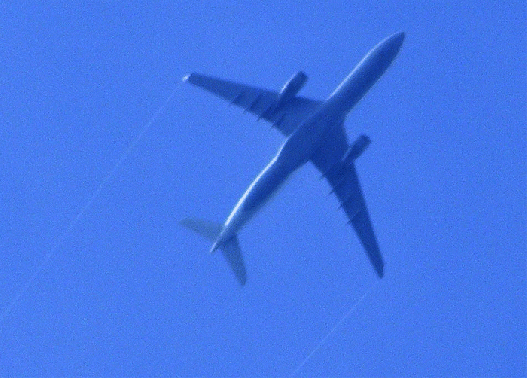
(262, 189)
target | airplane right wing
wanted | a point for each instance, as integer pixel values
(332, 160)
(261, 102)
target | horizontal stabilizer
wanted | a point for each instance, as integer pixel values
(232, 253)
(230, 249)
(207, 229)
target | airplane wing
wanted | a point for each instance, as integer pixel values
(342, 176)
(261, 102)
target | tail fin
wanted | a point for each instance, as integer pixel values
(230, 249)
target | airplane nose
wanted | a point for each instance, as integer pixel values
(394, 41)
(397, 39)
(389, 47)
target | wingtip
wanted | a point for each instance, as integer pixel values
(186, 77)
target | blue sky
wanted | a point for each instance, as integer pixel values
(98, 278)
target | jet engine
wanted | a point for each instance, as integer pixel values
(356, 149)
(292, 87)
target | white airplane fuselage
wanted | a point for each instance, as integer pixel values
(302, 143)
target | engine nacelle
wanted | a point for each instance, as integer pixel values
(357, 148)
(292, 87)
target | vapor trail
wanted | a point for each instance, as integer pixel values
(326, 337)
(47, 258)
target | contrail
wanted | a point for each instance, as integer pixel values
(326, 337)
(47, 258)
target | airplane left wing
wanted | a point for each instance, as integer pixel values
(342, 176)
(264, 103)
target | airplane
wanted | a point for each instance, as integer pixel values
(314, 132)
